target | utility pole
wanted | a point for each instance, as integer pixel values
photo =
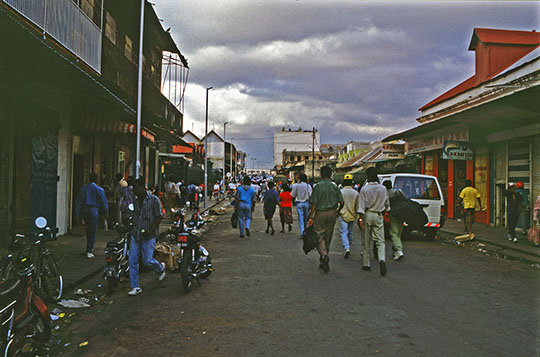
(313, 156)
(224, 153)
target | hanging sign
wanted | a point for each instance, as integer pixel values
(457, 150)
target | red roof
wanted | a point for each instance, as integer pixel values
(509, 37)
(495, 50)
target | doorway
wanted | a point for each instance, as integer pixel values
(460, 177)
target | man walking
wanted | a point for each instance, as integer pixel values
(146, 218)
(326, 201)
(396, 225)
(245, 205)
(513, 202)
(469, 195)
(348, 214)
(91, 199)
(301, 192)
(373, 202)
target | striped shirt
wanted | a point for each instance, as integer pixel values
(145, 215)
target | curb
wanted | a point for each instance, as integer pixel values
(504, 251)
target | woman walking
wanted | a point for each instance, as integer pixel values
(244, 205)
(285, 207)
(271, 200)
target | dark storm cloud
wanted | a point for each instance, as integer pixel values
(355, 70)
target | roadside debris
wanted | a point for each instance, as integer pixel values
(75, 304)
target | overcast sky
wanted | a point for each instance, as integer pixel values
(355, 70)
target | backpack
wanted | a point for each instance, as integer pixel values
(408, 211)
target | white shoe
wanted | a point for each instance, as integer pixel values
(509, 237)
(162, 275)
(515, 240)
(398, 255)
(90, 255)
(135, 291)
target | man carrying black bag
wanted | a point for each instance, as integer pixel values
(396, 223)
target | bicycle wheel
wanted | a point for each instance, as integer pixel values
(50, 280)
(8, 270)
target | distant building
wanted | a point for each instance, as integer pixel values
(294, 140)
(352, 149)
(307, 162)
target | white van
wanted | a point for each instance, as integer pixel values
(425, 190)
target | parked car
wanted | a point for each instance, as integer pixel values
(425, 190)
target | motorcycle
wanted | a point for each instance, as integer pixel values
(195, 262)
(116, 255)
(24, 316)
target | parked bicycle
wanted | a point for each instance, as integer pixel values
(48, 279)
(24, 316)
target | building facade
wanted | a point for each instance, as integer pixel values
(294, 140)
(486, 129)
(67, 104)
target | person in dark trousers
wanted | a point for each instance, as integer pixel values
(90, 201)
(245, 204)
(118, 189)
(513, 203)
(326, 202)
(469, 195)
(146, 218)
(372, 204)
(270, 201)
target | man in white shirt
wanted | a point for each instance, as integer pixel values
(373, 202)
(348, 214)
(301, 192)
(257, 190)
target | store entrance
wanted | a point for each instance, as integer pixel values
(460, 170)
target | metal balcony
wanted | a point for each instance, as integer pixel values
(64, 21)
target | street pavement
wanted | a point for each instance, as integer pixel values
(70, 249)
(267, 297)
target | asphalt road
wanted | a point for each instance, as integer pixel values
(268, 298)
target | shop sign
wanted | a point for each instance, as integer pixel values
(393, 151)
(436, 140)
(457, 150)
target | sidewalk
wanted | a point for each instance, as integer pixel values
(493, 240)
(70, 251)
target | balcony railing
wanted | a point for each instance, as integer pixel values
(66, 23)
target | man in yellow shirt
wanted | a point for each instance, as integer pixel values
(470, 196)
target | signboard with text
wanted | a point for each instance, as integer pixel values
(436, 139)
(457, 150)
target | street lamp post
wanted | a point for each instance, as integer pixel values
(206, 150)
(224, 153)
(139, 94)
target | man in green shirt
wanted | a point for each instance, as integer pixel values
(326, 201)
